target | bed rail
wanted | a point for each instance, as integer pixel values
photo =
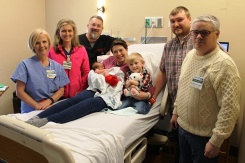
(136, 152)
(26, 141)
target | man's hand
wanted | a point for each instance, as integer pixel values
(173, 121)
(211, 150)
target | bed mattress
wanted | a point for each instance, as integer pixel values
(102, 136)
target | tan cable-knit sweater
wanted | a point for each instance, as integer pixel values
(213, 110)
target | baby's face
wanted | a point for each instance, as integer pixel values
(100, 66)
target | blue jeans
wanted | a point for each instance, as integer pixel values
(70, 109)
(192, 148)
(142, 106)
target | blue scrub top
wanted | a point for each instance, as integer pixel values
(38, 85)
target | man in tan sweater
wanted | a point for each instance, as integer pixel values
(207, 102)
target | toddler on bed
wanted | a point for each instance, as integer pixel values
(132, 87)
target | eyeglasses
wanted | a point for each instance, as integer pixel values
(203, 33)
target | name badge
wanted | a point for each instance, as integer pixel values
(197, 82)
(67, 65)
(51, 74)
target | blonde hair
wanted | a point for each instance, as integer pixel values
(58, 40)
(34, 37)
(133, 56)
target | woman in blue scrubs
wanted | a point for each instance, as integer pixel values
(39, 80)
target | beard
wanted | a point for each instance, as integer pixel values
(94, 36)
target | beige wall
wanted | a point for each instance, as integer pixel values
(77, 10)
(122, 17)
(18, 19)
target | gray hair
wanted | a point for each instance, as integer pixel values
(208, 18)
(96, 17)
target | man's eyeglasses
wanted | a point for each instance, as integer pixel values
(203, 33)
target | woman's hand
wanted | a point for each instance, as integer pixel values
(43, 105)
(38, 106)
(46, 104)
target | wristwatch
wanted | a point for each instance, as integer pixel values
(52, 100)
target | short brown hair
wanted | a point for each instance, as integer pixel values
(178, 9)
(119, 42)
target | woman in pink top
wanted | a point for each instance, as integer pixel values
(68, 52)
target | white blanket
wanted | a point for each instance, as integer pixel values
(110, 94)
(86, 145)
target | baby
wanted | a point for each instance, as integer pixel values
(100, 69)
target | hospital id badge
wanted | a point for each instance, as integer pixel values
(51, 74)
(67, 65)
(197, 82)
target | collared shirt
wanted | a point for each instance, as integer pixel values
(173, 55)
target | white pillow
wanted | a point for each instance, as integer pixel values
(151, 53)
(151, 65)
(101, 58)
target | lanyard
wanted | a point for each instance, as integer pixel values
(68, 54)
(50, 73)
(50, 64)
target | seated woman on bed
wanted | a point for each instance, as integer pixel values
(86, 102)
(39, 80)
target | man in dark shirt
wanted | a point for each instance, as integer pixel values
(95, 43)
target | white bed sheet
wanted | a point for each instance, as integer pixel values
(100, 137)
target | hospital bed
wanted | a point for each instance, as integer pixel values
(110, 137)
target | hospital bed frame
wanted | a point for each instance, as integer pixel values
(21, 142)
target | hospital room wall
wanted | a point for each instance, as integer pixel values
(18, 20)
(122, 18)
